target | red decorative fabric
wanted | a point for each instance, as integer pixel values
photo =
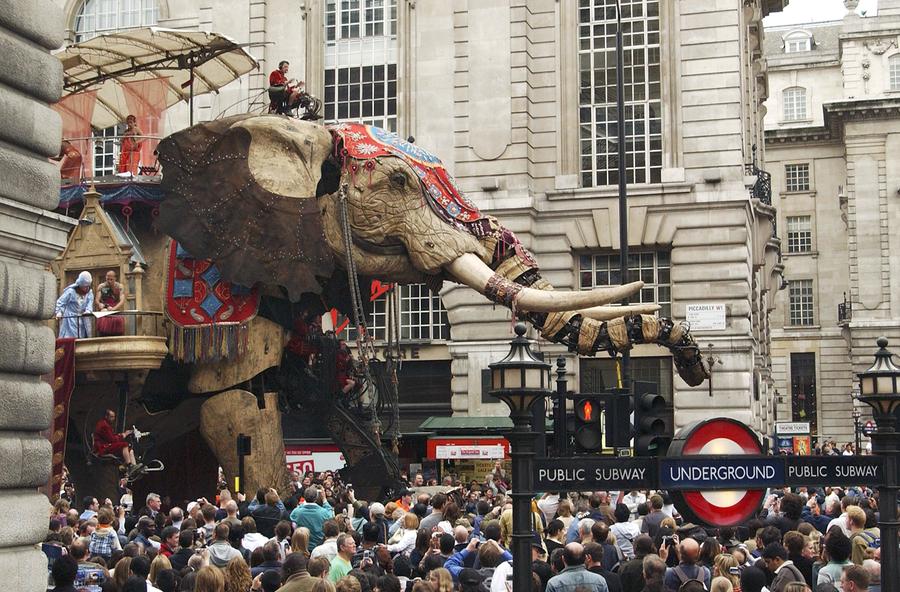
(63, 384)
(146, 100)
(76, 111)
(210, 298)
(366, 143)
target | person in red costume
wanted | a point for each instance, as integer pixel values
(107, 441)
(344, 367)
(284, 93)
(130, 151)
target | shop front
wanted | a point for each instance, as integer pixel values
(468, 458)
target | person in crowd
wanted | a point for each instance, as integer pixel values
(625, 530)
(130, 149)
(594, 556)
(270, 559)
(73, 306)
(837, 550)
(328, 549)
(784, 570)
(313, 513)
(651, 522)
(854, 578)
(688, 553)
(220, 550)
(340, 565)
(179, 559)
(575, 575)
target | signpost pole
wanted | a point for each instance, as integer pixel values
(559, 408)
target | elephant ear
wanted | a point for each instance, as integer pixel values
(241, 191)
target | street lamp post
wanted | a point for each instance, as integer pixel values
(519, 380)
(879, 388)
(856, 441)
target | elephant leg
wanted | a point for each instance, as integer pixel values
(234, 412)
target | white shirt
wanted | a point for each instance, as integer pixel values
(633, 500)
(327, 549)
(548, 506)
(500, 576)
(252, 540)
(625, 533)
(842, 522)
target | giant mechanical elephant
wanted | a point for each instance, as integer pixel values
(279, 202)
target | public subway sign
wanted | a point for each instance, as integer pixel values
(578, 474)
(705, 472)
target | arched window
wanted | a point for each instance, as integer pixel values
(894, 71)
(794, 100)
(103, 16)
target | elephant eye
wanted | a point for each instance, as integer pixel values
(398, 179)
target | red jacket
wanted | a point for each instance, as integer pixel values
(277, 78)
(106, 439)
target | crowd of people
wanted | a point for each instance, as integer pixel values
(319, 537)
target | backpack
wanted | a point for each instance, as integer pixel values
(872, 541)
(684, 579)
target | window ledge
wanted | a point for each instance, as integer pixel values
(794, 121)
(797, 328)
(787, 255)
(809, 192)
(602, 191)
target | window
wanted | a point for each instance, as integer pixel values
(796, 177)
(597, 98)
(597, 374)
(894, 72)
(651, 267)
(361, 62)
(797, 41)
(799, 234)
(422, 316)
(803, 390)
(106, 150)
(104, 16)
(794, 103)
(800, 294)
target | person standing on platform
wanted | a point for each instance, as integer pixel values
(130, 151)
(76, 302)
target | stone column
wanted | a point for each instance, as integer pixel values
(30, 237)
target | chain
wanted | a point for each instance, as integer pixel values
(365, 345)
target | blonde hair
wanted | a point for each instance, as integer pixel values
(668, 521)
(300, 541)
(410, 521)
(159, 563)
(565, 508)
(724, 564)
(444, 580)
(720, 584)
(237, 576)
(209, 579)
(324, 586)
(348, 584)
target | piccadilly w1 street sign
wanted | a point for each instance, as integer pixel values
(705, 472)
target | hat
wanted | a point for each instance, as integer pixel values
(376, 509)
(406, 491)
(84, 279)
(470, 577)
(537, 542)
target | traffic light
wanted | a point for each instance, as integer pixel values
(618, 419)
(588, 431)
(652, 424)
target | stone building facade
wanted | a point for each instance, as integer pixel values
(30, 237)
(832, 139)
(518, 100)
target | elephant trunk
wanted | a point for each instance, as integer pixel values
(578, 319)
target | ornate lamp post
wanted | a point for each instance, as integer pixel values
(879, 388)
(856, 429)
(519, 380)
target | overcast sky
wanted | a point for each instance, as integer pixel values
(813, 11)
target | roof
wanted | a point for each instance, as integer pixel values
(125, 236)
(469, 424)
(825, 43)
(105, 62)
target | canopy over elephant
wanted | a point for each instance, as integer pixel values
(296, 208)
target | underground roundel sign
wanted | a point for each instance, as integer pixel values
(718, 436)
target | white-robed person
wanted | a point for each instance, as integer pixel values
(72, 308)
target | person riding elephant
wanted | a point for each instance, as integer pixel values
(287, 203)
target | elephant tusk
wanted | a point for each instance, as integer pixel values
(468, 269)
(606, 313)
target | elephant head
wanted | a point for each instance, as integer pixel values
(283, 202)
